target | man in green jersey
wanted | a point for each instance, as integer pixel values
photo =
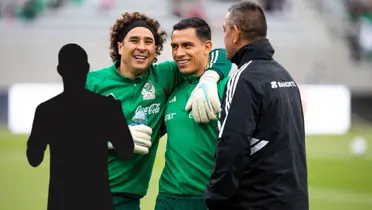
(190, 146)
(136, 41)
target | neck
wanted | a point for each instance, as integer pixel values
(73, 87)
(242, 44)
(126, 71)
(237, 47)
(202, 68)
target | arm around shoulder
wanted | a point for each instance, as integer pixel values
(168, 75)
(204, 101)
(219, 63)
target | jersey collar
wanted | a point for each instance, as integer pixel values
(192, 79)
(139, 78)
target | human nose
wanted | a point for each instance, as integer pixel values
(141, 45)
(180, 52)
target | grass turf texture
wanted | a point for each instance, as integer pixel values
(337, 180)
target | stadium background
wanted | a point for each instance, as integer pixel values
(310, 38)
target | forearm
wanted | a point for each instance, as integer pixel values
(219, 63)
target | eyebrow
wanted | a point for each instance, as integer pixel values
(137, 37)
(183, 43)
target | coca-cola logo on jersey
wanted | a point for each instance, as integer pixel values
(152, 109)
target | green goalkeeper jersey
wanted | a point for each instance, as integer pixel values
(150, 92)
(190, 149)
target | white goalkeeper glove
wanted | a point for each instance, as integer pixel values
(204, 101)
(142, 138)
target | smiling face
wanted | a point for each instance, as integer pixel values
(189, 52)
(137, 50)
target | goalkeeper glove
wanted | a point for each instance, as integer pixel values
(142, 138)
(204, 101)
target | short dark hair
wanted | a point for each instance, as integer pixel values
(250, 19)
(203, 31)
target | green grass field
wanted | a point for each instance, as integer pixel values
(337, 180)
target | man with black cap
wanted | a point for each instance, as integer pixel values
(77, 125)
(260, 160)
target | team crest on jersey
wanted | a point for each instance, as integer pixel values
(148, 91)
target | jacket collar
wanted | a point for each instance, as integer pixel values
(257, 50)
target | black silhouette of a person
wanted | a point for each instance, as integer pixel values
(77, 125)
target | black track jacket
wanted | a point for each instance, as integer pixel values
(260, 156)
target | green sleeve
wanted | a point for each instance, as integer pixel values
(93, 80)
(168, 75)
(219, 62)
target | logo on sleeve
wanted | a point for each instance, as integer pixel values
(148, 91)
(275, 84)
(173, 100)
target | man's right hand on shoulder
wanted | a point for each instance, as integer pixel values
(142, 138)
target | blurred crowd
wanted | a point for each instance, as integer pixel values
(195, 8)
(31, 9)
(359, 35)
(274, 5)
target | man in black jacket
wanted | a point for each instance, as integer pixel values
(260, 156)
